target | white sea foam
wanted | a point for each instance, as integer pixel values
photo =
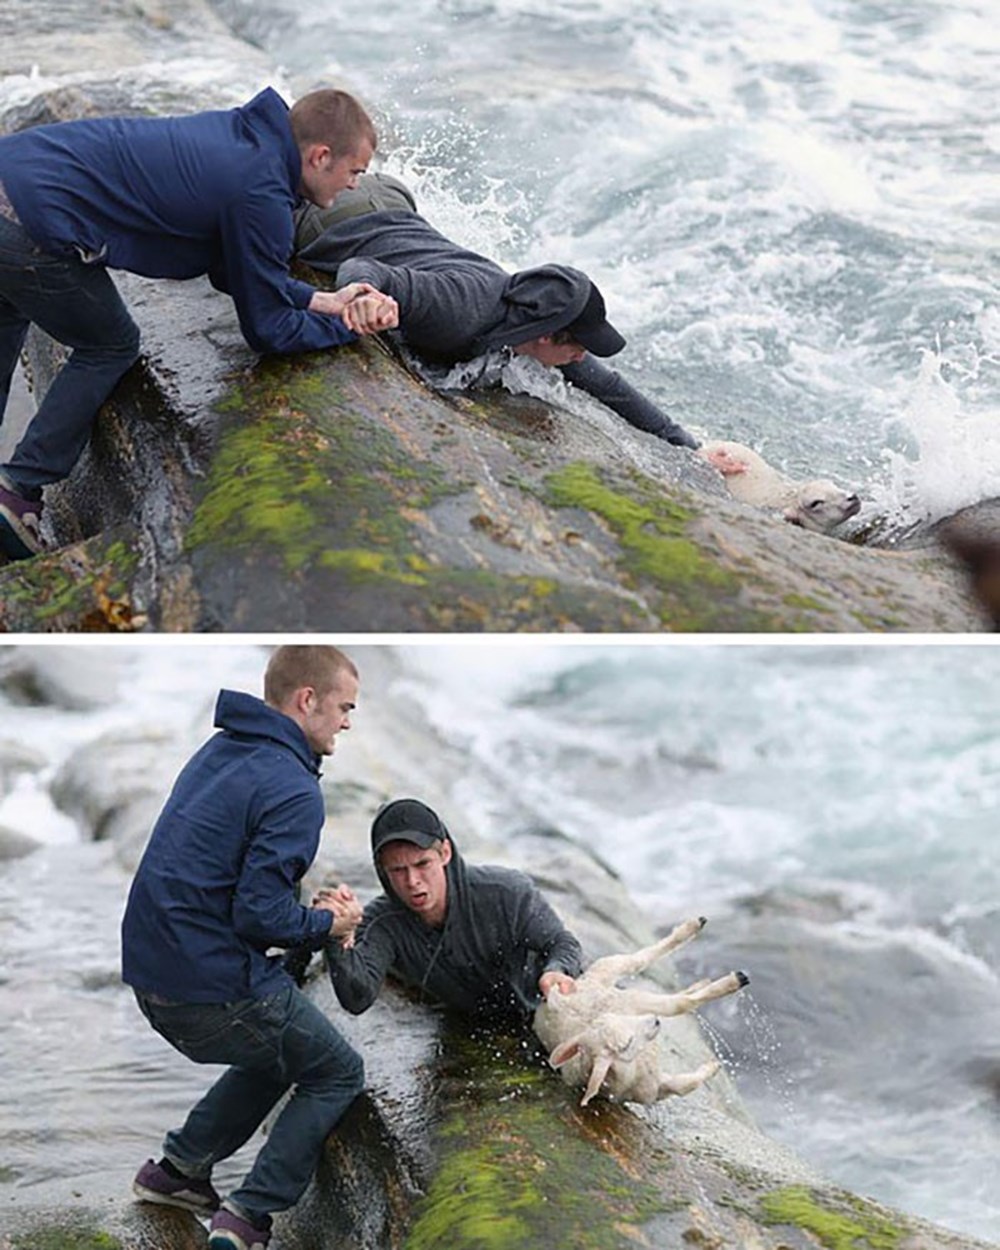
(786, 205)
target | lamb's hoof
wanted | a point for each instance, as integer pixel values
(702, 921)
(743, 979)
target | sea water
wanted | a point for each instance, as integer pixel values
(830, 809)
(791, 206)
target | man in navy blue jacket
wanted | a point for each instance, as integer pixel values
(216, 889)
(171, 197)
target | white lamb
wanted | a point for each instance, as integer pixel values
(605, 1038)
(818, 505)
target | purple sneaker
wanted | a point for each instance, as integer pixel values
(19, 526)
(155, 1184)
(229, 1231)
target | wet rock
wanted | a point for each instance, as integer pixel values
(16, 760)
(973, 538)
(75, 1226)
(334, 492)
(115, 786)
(140, 43)
(457, 1134)
(55, 676)
(15, 845)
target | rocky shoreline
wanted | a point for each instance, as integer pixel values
(462, 1141)
(336, 492)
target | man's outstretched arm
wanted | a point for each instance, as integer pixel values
(620, 396)
(358, 969)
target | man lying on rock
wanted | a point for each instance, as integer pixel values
(166, 197)
(479, 938)
(456, 305)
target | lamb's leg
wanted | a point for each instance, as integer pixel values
(685, 1082)
(601, 1068)
(690, 999)
(612, 968)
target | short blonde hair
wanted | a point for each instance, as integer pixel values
(291, 668)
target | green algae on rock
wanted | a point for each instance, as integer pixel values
(844, 1225)
(63, 1239)
(516, 1179)
(84, 589)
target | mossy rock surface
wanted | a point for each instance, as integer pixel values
(470, 1141)
(335, 492)
(80, 1224)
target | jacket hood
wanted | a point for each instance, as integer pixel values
(536, 301)
(267, 114)
(248, 717)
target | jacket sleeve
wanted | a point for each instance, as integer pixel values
(544, 932)
(266, 910)
(256, 233)
(620, 396)
(357, 974)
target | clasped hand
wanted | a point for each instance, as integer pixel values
(346, 909)
(362, 308)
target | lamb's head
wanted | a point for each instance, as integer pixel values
(614, 1041)
(821, 506)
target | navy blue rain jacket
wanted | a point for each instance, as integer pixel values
(177, 197)
(218, 882)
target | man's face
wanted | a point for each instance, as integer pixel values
(324, 176)
(324, 717)
(418, 877)
(549, 353)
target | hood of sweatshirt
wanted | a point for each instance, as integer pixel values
(535, 302)
(410, 820)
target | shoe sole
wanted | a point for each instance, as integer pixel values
(173, 1200)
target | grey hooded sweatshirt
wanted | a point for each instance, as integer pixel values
(455, 304)
(498, 938)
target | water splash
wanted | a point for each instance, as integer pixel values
(942, 457)
(759, 1052)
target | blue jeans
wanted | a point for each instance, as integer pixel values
(79, 306)
(272, 1044)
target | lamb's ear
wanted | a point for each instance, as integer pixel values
(564, 1052)
(597, 1074)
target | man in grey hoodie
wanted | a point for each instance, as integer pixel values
(456, 305)
(479, 938)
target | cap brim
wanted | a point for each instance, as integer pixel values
(416, 836)
(602, 340)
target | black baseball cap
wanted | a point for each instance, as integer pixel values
(592, 329)
(407, 820)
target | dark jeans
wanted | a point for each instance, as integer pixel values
(272, 1044)
(79, 306)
